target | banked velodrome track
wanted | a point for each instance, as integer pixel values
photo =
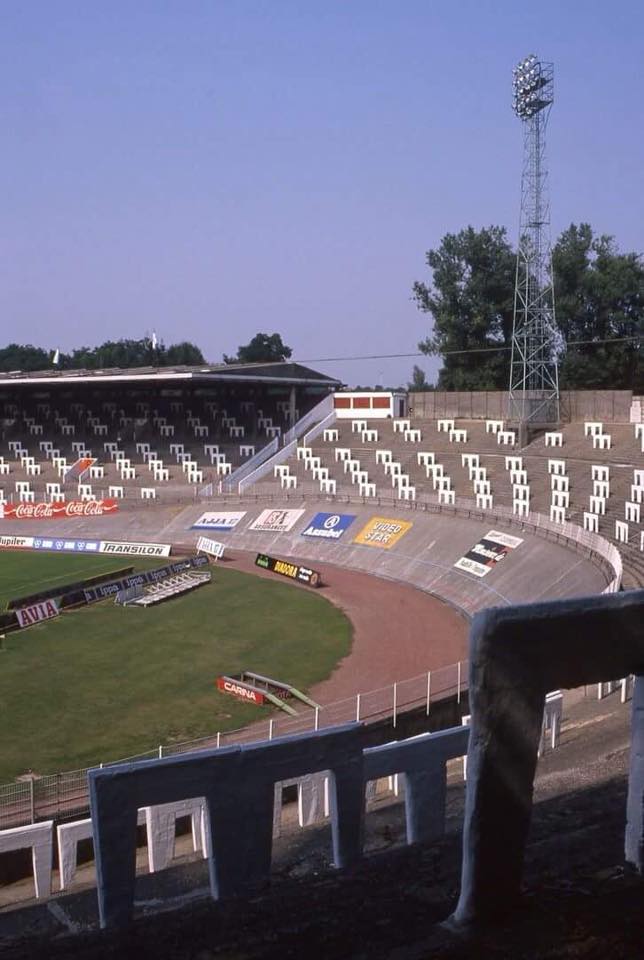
(423, 558)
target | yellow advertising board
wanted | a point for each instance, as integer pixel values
(382, 532)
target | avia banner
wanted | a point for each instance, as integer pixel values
(58, 511)
(490, 550)
(328, 526)
(382, 532)
(46, 610)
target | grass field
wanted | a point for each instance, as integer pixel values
(103, 682)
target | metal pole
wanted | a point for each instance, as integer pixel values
(395, 701)
(32, 800)
(458, 683)
(429, 689)
(160, 752)
(218, 740)
(317, 719)
(357, 708)
(270, 728)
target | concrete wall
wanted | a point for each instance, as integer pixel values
(576, 405)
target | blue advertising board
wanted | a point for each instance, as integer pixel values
(328, 526)
(59, 543)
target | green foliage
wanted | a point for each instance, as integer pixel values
(599, 295)
(18, 357)
(418, 381)
(113, 353)
(103, 682)
(263, 348)
(471, 302)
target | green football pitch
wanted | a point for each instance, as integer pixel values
(105, 682)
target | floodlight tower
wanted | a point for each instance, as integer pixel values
(534, 381)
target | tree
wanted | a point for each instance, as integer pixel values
(183, 354)
(471, 301)
(418, 381)
(262, 349)
(15, 356)
(599, 296)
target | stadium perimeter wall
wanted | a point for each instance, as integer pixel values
(576, 405)
(548, 564)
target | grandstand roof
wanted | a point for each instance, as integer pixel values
(277, 373)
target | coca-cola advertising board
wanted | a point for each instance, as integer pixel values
(58, 511)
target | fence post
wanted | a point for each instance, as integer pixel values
(218, 740)
(316, 722)
(458, 682)
(160, 751)
(32, 800)
(429, 689)
(395, 701)
(270, 728)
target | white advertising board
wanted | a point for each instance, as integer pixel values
(276, 521)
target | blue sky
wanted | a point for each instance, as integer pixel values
(209, 170)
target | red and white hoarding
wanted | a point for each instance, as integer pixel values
(240, 690)
(37, 612)
(58, 510)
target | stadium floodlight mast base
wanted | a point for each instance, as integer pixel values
(534, 379)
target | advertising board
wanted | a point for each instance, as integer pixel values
(121, 547)
(287, 569)
(328, 526)
(58, 511)
(103, 591)
(25, 543)
(73, 546)
(36, 613)
(490, 550)
(236, 689)
(382, 532)
(276, 521)
(79, 467)
(221, 520)
(212, 547)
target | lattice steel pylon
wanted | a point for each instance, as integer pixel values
(534, 379)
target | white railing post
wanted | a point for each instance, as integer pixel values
(357, 708)
(395, 702)
(429, 690)
(316, 723)
(458, 682)
(270, 728)
(218, 740)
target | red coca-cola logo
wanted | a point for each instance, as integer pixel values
(52, 511)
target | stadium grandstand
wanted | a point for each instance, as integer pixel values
(429, 490)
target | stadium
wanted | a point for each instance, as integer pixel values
(287, 665)
(421, 518)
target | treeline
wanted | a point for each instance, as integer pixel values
(148, 352)
(112, 353)
(599, 304)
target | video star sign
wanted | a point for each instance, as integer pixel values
(36, 613)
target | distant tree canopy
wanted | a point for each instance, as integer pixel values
(263, 348)
(112, 353)
(418, 380)
(599, 296)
